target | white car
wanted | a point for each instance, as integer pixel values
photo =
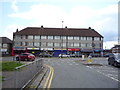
(64, 55)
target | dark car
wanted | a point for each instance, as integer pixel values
(25, 56)
(45, 55)
(113, 60)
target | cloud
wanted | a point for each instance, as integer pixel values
(8, 31)
(14, 7)
(104, 20)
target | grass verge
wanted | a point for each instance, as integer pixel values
(9, 65)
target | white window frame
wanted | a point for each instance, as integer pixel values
(43, 44)
(97, 38)
(30, 43)
(76, 38)
(5, 45)
(37, 44)
(57, 44)
(50, 44)
(83, 45)
(64, 37)
(89, 38)
(30, 36)
(70, 38)
(36, 37)
(50, 37)
(43, 37)
(57, 37)
(71, 44)
(83, 38)
(76, 45)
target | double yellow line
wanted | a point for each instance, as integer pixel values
(49, 78)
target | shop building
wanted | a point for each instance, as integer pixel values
(5, 46)
(58, 40)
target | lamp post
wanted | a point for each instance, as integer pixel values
(62, 40)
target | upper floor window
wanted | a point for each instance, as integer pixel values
(56, 44)
(88, 45)
(4, 45)
(50, 44)
(71, 44)
(37, 37)
(36, 44)
(76, 38)
(23, 44)
(63, 44)
(50, 37)
(30, 44)
(43, 44)
(96, 38)
(30, 37)
(57, 37)
(70, 37)
(76, 44)
(83, 45)
(83, 38)
(64, 37)
(0, 44)
(101, 39)
(43, 37)
(23, 37)
(18, 37)
(89, 38)
(17, 43)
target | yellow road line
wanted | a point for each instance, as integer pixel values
(49, 78)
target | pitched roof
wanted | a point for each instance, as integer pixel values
(5, 40)
(59, 31)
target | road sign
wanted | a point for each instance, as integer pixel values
(89, 60)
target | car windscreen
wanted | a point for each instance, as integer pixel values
(23, 54)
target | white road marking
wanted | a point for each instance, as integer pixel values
(107, 75)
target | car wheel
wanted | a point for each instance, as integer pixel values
(17, 58)
(115, 64)
(108, 62)
(26, 59)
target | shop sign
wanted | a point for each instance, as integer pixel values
(33, 48)
(87, 50)
(46, 48)
(3, 50)
(60, 49)
(73, 49)
(19, 48)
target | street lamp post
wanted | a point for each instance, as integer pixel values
(62, 40)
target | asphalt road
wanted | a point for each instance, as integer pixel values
(72, 73)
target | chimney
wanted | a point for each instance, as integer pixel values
(89, 28)
(17, 30)
(41, 26)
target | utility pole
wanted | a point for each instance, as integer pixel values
(62, 40)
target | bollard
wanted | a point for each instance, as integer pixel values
(83, 57)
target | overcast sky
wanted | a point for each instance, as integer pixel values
(101, 15)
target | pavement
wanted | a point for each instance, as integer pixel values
(36, 82)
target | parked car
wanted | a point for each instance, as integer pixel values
(72, 55)
(45, 55)
(64, 55)
(25, 56)
(113, 60)
(106, 55)
(75, 55)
